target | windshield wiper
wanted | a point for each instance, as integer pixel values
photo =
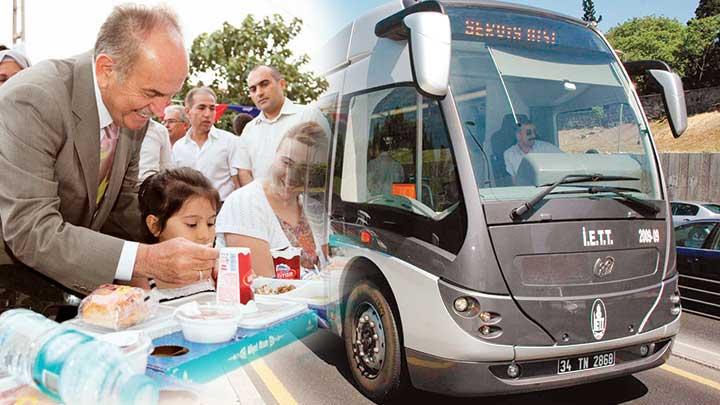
(516, 213)
(620, 192)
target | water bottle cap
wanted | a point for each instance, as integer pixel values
(139, 389)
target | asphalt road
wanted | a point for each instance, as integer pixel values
(314, 371)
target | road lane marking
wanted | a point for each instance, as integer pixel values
(244, 388)
(691, 376)
(277, 389)
(234, 387)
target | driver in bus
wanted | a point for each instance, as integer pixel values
(525, 135)
(383, 170)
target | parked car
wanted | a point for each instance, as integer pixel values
(698, 262)
(684, 211)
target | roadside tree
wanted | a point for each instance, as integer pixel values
(707, 8)
(589, 12)
(699, 54)
(222, 60)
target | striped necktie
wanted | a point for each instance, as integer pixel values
(107, 153)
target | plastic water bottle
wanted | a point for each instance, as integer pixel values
(68, 365)
(20, 332)
(97, 372)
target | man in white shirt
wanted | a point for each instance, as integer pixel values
(383, 171)
(155, 152)
(262, 135)
(176, 122)
(209, 150)
(526, 143)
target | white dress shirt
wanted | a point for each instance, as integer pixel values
(156, 151)
(261, 136)
(382, 172)
(126, 263)
(217, 158)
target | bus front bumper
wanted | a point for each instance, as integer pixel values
(459, 378)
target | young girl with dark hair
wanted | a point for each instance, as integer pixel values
(178, 203)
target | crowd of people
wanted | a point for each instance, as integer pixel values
(95, 191)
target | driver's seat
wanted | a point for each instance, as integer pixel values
(501, 141)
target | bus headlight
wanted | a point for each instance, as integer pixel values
(513, 371)
(461, 304)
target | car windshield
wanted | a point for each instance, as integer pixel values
(715, 208)
(542, 98)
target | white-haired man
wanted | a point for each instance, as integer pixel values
(71, 133)
(11, 62)
(176, 122)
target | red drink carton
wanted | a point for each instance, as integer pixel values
(233, 284)
(287, 262)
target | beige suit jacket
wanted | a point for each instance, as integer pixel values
(49, 159)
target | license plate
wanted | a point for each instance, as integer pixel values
(580, 363)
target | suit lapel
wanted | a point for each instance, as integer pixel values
(86, 136)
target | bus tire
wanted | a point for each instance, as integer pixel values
(371, 335)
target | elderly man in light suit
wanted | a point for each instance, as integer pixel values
(70, 136)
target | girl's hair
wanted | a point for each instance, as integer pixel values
(164, 193)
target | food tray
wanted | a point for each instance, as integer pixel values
(160, 323)
(310, 292)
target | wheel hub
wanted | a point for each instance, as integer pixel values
(368, 341)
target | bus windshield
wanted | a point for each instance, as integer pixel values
(540, 99)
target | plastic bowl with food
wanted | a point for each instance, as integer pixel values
(208, 323)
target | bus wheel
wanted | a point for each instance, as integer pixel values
(372, 343)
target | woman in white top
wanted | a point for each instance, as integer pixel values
(268, 213)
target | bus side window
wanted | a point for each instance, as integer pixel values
(396, 163)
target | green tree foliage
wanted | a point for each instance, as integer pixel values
(650, 37)
(589, 12)
(692, 50)
(223, 59)
(699, 53)
(707, 8)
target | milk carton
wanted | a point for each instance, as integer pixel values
(233, 284)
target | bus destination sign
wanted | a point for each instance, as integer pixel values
(509, 32)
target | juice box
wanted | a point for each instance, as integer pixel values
(234, 270)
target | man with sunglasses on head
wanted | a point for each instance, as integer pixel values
(525, 135)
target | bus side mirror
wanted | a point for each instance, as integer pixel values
(429, 43)
(673, 97)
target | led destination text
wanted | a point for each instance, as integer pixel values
(509, 32)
